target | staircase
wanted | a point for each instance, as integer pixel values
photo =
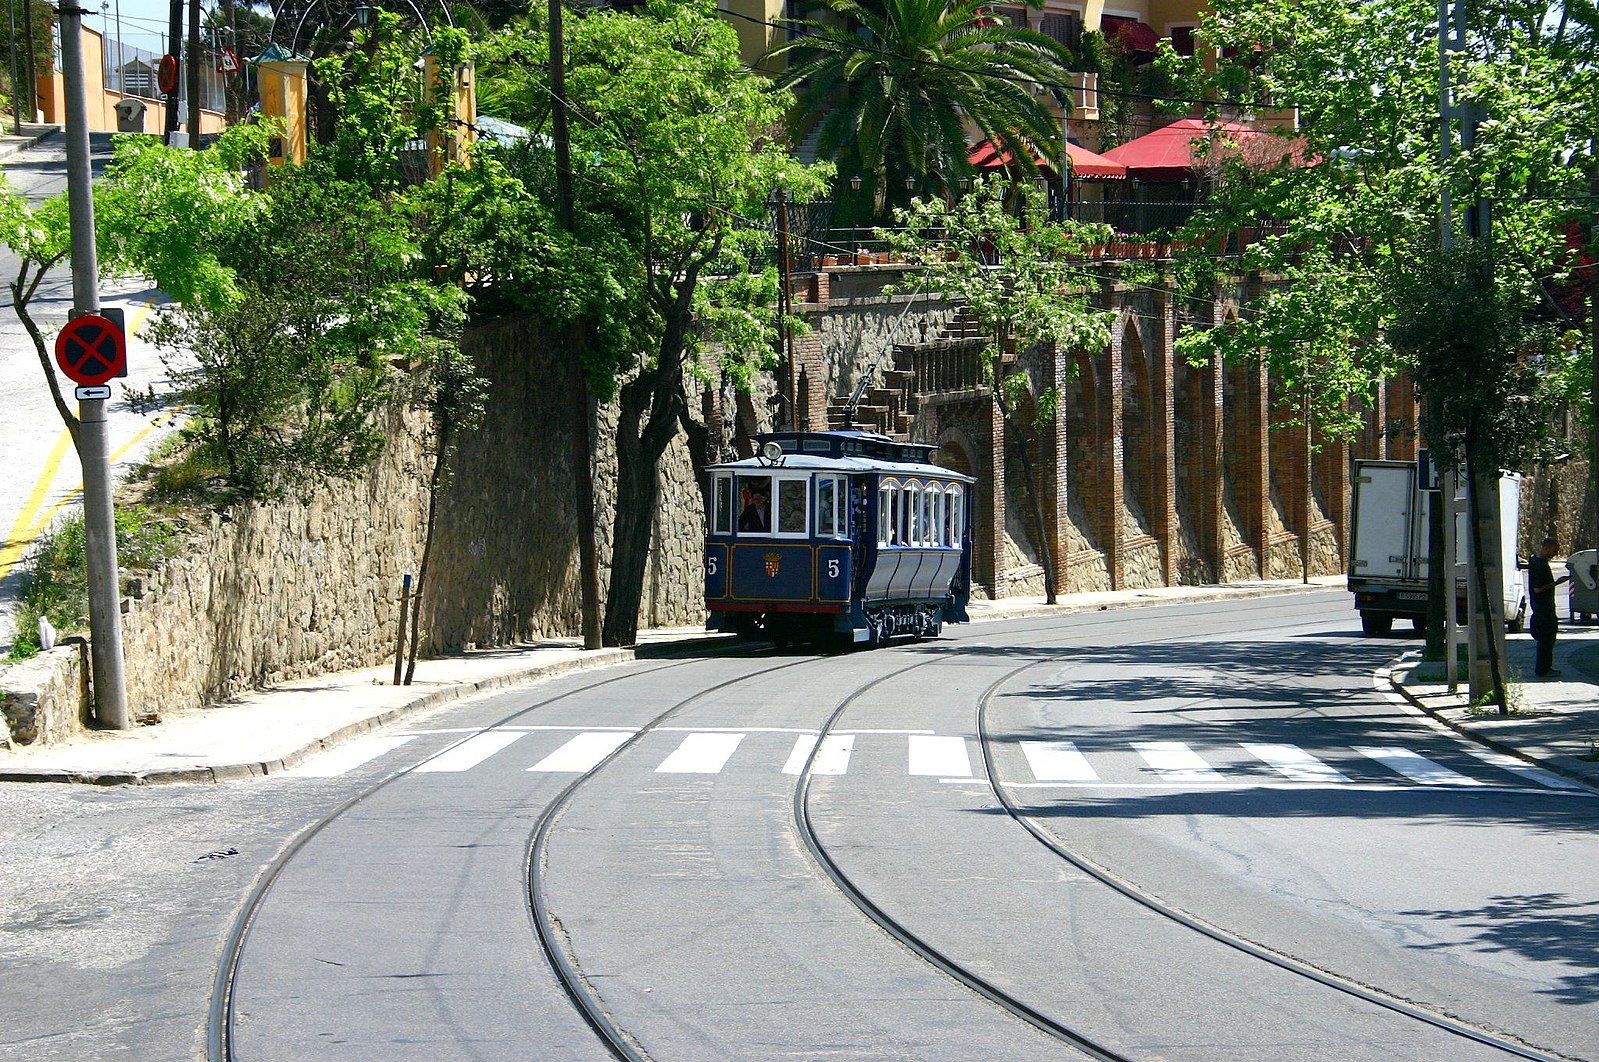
(952, 362)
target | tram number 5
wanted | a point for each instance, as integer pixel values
(832, 568)
(710, 566)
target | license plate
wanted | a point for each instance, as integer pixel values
(1407, 596)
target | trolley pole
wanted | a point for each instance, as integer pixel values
(105, 597)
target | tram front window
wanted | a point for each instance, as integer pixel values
(755, 504)
(791, 504)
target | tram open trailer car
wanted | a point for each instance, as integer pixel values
(837, 535)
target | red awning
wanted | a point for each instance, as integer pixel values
(1170, 153)
(1135, 36)
(1085, 163)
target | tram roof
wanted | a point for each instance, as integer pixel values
(822, 463)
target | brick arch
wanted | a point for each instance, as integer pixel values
(1138, 451)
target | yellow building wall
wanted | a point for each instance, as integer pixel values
(283, 94)
(755, 39)
(101, 101)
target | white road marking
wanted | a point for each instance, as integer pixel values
(337, 761)
(469, 753)
(832, 759)
(582, 753)
(1057, 761)
(701, 754)
(1176, 762)
(942, 757)
(1296, 764)
(1416, 767)
(1522, 770)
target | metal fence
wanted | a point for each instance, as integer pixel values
(1138, 219)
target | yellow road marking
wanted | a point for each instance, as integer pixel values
(27, 527)
(23, 533)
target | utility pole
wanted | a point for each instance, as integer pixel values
(194, 74)
(16, 76)
(174, 35)
(105, 597)
(788, 413)
(1485, 631)
(582, 456)
(33, 63)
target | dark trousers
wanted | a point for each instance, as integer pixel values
(1543, 632)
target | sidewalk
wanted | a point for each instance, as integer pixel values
(13, 143)
(267, 731)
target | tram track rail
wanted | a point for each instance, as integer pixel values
(1128, 889)
(1151, 902)
(220, 1023)
(591, 1004)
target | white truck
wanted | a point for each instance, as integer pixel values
(1388, 547)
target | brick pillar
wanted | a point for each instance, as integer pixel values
(992, 487)
(1160, 357)
(1110, 442)
(1213, 500)
(1056, 440)
(1259, 463)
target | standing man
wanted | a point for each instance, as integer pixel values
(1541, 583)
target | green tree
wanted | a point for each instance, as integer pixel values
(894, 84)
(1357, 215)
(1020, 277)
(669, 134)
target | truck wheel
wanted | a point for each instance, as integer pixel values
(1376, 625)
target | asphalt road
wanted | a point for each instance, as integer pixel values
(40, 477)
(1229, 760)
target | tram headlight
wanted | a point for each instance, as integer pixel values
(773, 452)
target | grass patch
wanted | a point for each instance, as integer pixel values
(55, 577)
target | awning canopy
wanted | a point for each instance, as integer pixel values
(1135, 36)
(1173, 152)
(1085, 164)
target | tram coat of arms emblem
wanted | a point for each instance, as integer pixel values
(773, 560)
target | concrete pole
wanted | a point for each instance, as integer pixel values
(582, 403)
(195, 56)
(16, 75)
(105, 597)
(174, 35)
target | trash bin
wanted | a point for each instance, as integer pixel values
(130, 116)
(1584, 568)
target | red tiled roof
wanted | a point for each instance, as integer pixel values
(1085, 163)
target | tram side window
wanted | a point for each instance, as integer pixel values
(940, 530)
(913, 515)
(791, 502)
(830, 520)
(722, 506)
(957, 515)
(887, 514)
(929, 524)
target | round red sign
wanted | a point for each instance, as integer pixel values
(166, 75)
(92, 350)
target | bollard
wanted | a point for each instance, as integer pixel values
(399, 648)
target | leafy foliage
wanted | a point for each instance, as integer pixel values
(1019, 274)
(895, 83)
(674, 165)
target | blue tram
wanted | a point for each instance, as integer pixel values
(843, 535)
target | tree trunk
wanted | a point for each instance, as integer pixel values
(1487, 619)
(646, 426)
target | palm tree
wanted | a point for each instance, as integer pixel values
(894, 84)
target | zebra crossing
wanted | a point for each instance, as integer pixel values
(945, 757)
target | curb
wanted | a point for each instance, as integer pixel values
(1552, 766)
(15, 146)
(596, 659)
